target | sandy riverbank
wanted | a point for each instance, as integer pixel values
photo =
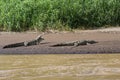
(108, 42)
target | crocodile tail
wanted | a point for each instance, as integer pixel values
(14, 45)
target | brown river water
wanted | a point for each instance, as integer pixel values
(60, 67)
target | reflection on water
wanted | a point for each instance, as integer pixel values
(57, 67)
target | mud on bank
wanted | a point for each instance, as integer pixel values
(108, 42)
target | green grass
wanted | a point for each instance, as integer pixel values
(60, 67)
(20, 15)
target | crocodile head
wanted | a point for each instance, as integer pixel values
(39, 39)
(92, 41)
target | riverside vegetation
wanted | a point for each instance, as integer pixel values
(21, 15)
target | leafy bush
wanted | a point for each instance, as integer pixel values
(20, 15)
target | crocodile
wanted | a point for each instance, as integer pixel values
(25, 43)
(75, 43)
